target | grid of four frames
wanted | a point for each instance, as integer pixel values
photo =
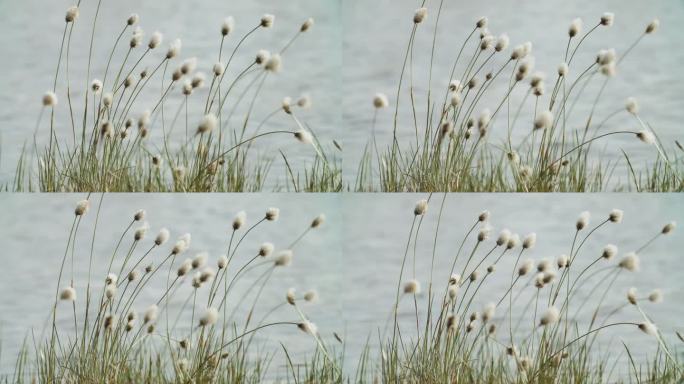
(341, 192)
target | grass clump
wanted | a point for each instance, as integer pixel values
(453, 146)
(546, 324)
(127, 131)
(113, 329)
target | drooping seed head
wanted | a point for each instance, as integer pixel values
(209, 317)
(420, 208)
(646, 136)
(648, 328)
(303, 136)
(308, 327)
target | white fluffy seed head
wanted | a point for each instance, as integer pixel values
(544, 265)
(133, 275)
(307, 24)
(174, 49)
(575, 27)
(503, 238)
(199, 260)
(615, 216)
(419, 15)
(455, 99)
(412, 287)
(222, 262)
(262, 56)
(562, 261)
(209, 317)
(49, 99)
(483, 233)
(525, 267)
(483, 121)
(155, 40)
(318, 221)
(82, 207)
(239, 220)
(630, 262)
(133, 19)
(380, 101)
(197, 80)
(632, 296)
(111, 279)
(656, 296)
(582, 220)
(267, 20)
(218, 69)
(474, 276)
(308, 327)
(488, 312)
(455, 279)
(110, 291)
(513, 241)
(96, 86)
(632, 106)
(140, 232)
(550, 316)
(544, 120)
(529, 241)
(272, 214)
(283, 259)
(304, 102)
(501, 42)
(646, 136)
(609, 251)
(151, 314)
(290, 296)
(227, 26)
(607, 19)
(188, 65)
(648, 328)
(208, 123)
(453, 291)
(563, 69)
(652, 26)
(184, 268)
(311, 296)
(274, 63)
(482, 22)
(71, 14)
(68, 294)
(420, 208)
(303, 136)
(669, 227)
(162, 236)
(606, 56)
(265, 249)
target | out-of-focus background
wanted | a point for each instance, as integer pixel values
(377, 33)
(31, 32)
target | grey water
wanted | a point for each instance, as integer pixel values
(353, 260)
